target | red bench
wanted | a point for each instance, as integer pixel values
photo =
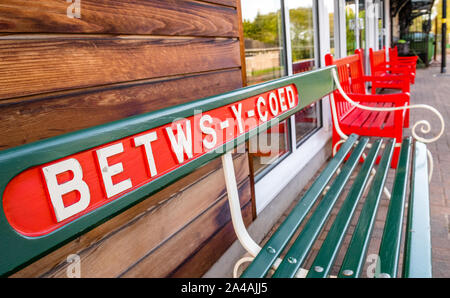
(352, 119)
(379, 66)
(395, 59)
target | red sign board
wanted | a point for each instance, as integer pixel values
(44, 198)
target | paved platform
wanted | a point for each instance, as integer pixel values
(434, 90)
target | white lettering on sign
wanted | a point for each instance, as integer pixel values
(290, 96)
(282, 100)
(56, 190)
(238, 115)
(209, 131)
(183, 142)
(273, 103)
(261, 101)
(146, 140)
(93, 177)
(108, 171)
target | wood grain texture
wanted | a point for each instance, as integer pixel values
(24, 121)
(114, 254)
(186, 243)
(36, 66)
(231, 3)
(181, 17)
(200, 261)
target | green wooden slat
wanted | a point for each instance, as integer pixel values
(417, 258)
(17, 251)
(355, 256)
(330, 247)
(299, 250)
(272, 249)
(389, 252)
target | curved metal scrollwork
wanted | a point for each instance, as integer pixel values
(423, 125)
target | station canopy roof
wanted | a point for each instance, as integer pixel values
(414, 7)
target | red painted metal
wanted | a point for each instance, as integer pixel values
(366, 123)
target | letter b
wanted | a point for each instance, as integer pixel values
(56, 191)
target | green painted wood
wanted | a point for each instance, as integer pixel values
(355, 256)
(300, 248)
(330, 247)
(272, 249)
(417, 255)
(389, 252)
(17, 250)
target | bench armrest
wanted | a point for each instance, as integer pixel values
(398, 98)
(389, 77)
(400, 69)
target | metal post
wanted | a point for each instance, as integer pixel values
(435, 37)
(444, 36)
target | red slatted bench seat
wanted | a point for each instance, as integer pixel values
(352, 119)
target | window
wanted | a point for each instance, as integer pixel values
(263, 40)
(329, 7)
(268, 50)
(351, 26)
(265, 60)
(301, 24)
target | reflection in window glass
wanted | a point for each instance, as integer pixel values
(361, 27)
(264, 61)
(269, 148)
(380, 24)
(307, 121)
(329, 6)
(350, 21)
(302, 45)
(302, 34)
(263, 40)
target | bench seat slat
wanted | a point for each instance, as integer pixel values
(300, 248)
(355, 256)
(417, 260)
(389, 252)
(272, 249)
(330, 247)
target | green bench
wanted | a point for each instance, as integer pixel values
(161, 147)
(417, 254)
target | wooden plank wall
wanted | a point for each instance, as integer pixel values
(123, 58)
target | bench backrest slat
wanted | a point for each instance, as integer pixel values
(377, 61)
(355, 257)
(335, 237)
(417, 255)
(389, 253)
(300, 248)
(28, 174)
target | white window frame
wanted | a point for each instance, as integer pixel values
(271, 184)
